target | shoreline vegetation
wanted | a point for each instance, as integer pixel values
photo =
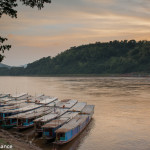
(84, 75)
(114, 58)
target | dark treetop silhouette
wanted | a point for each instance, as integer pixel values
(8, 7)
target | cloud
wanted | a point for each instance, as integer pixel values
(67, 23)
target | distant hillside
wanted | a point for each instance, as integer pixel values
(3, 65)
(114, 57)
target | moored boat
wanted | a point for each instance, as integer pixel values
(11, 121)
(4, 95)
(60, 120)
(19, 95)
(73, 128)
(22, 106)
(50, 127)
(6, 113)
(25, 120)
(14, 99)
(11, 103)
(39, 122)
(6, 99)
(13, 107)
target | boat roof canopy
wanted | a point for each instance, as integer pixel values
(4, 95)
(88, 109)
(55, 113)
(78, 106)
(19, 95)
(62, 119)
(48, 100)
(55, 123)
(79, 119)
(25, 108)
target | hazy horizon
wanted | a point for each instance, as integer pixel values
(63, 24)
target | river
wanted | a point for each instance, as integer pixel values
(122, 108)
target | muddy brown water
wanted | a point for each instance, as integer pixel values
(122, 109)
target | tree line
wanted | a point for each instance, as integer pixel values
(114, 57)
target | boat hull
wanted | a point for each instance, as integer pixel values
(24, 127)
(8, 126)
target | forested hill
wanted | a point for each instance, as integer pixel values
(114, 57)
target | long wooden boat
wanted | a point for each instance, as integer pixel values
(6, 99)
(12, 103)
(73, 128)
(11, 121)
(19, 95)
(50, 127)
(13, 107)
(21, 100)
(60, 108)
(13, 100)
(7, 113)
(4, 95)
(38, 123)
(25, 120)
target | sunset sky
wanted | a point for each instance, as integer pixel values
(66, 23)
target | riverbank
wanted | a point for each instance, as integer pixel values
(15, 141)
